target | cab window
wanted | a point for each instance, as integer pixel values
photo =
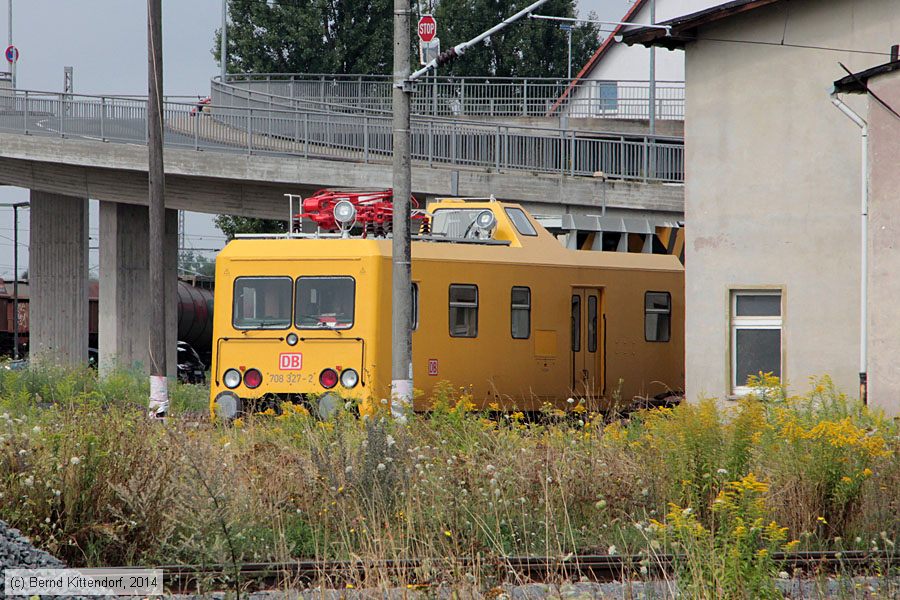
(325, 302)
(262, 303)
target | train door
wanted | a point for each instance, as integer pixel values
(587, 343)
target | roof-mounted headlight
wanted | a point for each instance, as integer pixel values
(344, 212)
(485, 220)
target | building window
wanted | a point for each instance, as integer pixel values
(463, 310)
(607, 96)
(262, 302)
(657, 316)
(520, 313)
(755, 335)
(576, 323)
(592, 323)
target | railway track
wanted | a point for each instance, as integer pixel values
(593, 567)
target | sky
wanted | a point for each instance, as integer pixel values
(105, 42)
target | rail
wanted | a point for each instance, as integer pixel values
(475, 96)
(262, 126)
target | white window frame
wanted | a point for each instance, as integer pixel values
(757, 323)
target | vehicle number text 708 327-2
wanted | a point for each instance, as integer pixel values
(286, 378)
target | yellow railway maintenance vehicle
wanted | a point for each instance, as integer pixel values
(500, 308)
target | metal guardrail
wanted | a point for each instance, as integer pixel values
(474, 96)
(263, 127)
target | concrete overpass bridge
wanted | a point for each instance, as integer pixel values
(241, 155)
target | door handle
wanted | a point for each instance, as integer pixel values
(584, 374)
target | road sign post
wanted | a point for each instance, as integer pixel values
(12, 57)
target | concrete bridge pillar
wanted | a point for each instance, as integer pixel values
(124, 328)
(58, 277)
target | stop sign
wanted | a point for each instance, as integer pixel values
(427, 28)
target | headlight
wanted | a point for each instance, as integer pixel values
(349, 378)
(486, 220)
(292, 339)
(252, 378)
(231, 378)
(344, 212)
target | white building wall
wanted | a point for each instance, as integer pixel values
(773, 184)
(626, 64)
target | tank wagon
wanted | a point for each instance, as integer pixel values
(500, 308)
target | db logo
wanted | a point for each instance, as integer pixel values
(432, 366)
(288, 361)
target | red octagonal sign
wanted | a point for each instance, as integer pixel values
(427, 28)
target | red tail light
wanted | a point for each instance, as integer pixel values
(252, 378)
(328, 378)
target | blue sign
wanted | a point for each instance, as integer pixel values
(12, 54)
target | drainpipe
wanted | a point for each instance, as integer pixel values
(864, 242)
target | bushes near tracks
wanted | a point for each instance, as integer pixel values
(92, 481)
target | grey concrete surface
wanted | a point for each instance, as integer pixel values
(884, 253)
(773, 184)
(253, 185)
(58, 274)
(123, 328)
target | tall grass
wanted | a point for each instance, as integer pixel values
(90, 479)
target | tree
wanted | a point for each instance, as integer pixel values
(530, 48)
(231, 225)
(356, 36)
(196, 264)
(309, 36)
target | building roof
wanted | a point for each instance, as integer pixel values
(857, 82)
(683, 29)
(600, 52)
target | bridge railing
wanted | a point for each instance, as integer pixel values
(470, 96)
(349, 136)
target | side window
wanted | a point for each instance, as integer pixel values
(415, 295)
(520, 221)
(520, 313)
(657, 316)
(262, 303)
(463, 310)
(576, 323)
(592, 323)
(756, 323)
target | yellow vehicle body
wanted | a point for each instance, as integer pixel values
(598, 355)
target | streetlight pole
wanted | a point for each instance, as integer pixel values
(568, 29)
(223, 48)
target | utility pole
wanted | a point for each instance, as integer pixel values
(223, 48)
(401, 248)
(159, 394)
